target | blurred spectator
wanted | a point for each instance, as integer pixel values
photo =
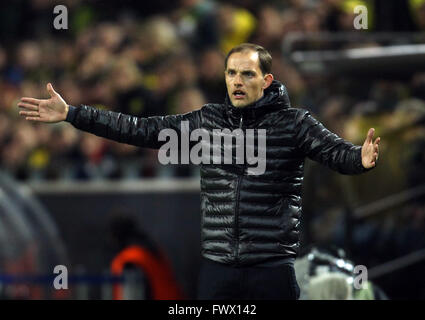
(135, 251)
(270, 28)
(211, 75)
(417, 8)
(197, 23)
(236, 25)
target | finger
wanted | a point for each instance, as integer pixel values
(29, 113)
(33, 118)
(28, 106)
(370, 133)
(51, 91)
(31, 100)
(377, 140)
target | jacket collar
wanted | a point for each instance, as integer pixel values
(275, 97)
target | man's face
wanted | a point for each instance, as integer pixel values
(244, 80)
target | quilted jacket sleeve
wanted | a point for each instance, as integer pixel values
(324, 146)
(142, 132)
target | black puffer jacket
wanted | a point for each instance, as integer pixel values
(246, 219)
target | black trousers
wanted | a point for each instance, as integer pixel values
(221, 282)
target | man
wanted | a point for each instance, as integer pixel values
(250, 222)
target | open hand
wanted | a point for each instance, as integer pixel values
(370, 150)
(54, 109)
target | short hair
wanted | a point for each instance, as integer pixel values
(263, 55)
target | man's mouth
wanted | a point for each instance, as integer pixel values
(238, 94)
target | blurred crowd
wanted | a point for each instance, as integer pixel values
(150, 60)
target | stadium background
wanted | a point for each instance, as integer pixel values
(166, 57)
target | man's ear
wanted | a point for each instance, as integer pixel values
(268, 79)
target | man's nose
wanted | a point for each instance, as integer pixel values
(238, 81)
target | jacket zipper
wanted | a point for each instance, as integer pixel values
(237, 206)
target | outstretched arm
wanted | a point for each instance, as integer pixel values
(318, 143)
(116, 126)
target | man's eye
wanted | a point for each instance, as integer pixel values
(231, 72)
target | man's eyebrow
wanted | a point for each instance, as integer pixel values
(243, 71)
